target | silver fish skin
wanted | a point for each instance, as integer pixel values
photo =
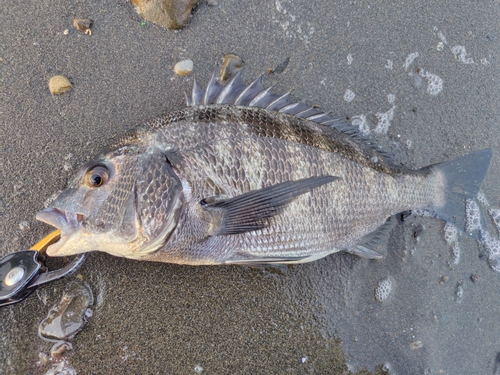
(242, 176)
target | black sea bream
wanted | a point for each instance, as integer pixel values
(242, 176)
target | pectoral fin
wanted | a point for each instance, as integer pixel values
(253, 210)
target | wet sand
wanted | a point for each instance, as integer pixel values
(318, 318)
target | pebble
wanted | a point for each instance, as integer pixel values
(24, 225)
(170, 14)
(83, 24)
(59, 85)
(183, 68)
(416, 345)
(231, 65)
(60, 348)
(474, 277)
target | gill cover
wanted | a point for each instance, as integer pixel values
(158, 200)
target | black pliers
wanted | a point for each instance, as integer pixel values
(23, 271)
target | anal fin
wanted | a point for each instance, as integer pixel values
(365, 249)
(266, 261)
(365, 252)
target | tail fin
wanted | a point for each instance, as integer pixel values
(463, 177)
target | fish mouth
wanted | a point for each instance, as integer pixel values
(67, 222)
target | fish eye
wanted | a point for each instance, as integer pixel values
(96, 176)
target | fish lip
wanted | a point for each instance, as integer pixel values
(67, 222)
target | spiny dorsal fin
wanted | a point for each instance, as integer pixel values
(236, 92)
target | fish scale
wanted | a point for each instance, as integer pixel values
(329, 223)
(270, 182)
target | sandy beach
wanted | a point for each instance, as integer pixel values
(422, 78)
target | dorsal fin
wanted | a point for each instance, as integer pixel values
(236, 92)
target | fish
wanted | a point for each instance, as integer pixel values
(244, 176)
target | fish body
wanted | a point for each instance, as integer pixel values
(242, 176)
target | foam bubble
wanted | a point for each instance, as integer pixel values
(485, 62)
(472, 216)
(349, 59)
(456, 253)
(349, 96)
(459, 292)
(384, 120)
(487, 242)
(362, 124)
(434, 83)
(384, 289)
(482, 199)
(495, 215)
(451, 237)
(461, 55)
(492, 247)
(442, 37)
(450, 234)
(411, 57)
(389, 65)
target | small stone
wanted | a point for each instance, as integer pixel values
(183, 68)
(231, 65)
(212, 3)
(443, 280)
(83, 24)
(66, 32)
(416, 345)
(59, 85)
(24, 225)
(474, 277)
(60, 348)
(170, 14)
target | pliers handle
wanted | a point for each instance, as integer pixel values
(23, 271)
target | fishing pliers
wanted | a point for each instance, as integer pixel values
(23, 271)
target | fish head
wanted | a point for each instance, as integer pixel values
(126, 203)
